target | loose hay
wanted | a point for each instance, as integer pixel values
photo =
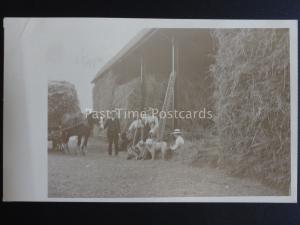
(252, 95)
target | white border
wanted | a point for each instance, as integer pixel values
(22, 181)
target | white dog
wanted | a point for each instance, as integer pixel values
(154, 146)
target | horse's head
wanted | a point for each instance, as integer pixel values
(93, 118)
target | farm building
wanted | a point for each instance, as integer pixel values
(241, 75)
(138, 75)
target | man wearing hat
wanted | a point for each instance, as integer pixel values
(179, 141)
(113, 131)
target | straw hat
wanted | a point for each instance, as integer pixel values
(177, 131)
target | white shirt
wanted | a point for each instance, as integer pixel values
(149, 119)
(178, 143)
(135, 124)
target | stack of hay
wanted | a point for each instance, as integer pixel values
(251, 76)
(62, 103)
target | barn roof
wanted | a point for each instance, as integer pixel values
(139, 39)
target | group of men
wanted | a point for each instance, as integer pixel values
(141, 138)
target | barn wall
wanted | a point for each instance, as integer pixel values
(103, 92)
(121, 87)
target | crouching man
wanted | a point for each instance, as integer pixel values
(179, 141)
(135, 131)
(136, 151)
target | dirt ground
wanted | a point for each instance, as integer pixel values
(100, 175)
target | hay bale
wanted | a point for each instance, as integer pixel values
(62, 100)
(252, 95)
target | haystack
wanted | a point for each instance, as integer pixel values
(252, 96)
(62, 103)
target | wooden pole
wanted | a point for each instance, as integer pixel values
(173, 55)
(142, 62)
(176, 86)
(143, 86)
(174, 59)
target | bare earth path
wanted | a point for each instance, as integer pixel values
(100, 175)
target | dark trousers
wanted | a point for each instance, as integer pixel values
(146, 132)
(113, 139)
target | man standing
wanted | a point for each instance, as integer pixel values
(113, 131)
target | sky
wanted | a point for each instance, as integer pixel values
(74, 50)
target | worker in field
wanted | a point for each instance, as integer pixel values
(151, 124)
(113, 132)
(136, 129)
(179, 141)
(135, 132)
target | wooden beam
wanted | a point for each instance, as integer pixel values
(142, 67)
(142, 80)
(174, 74)
(173, 55)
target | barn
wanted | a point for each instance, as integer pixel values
(138, 75)
(241, 75)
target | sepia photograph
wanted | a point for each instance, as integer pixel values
(176, 112)
(155, 110)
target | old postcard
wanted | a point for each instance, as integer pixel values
(150, 110)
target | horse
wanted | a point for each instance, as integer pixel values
(82, 129)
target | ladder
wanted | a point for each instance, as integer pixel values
(168, 101)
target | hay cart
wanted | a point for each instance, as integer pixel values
(55, 137)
